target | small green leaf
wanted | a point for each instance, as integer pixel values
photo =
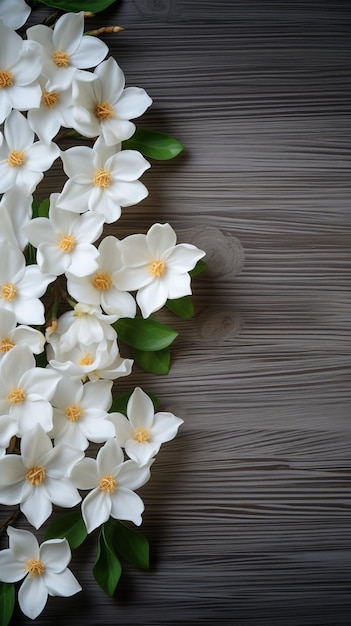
(78, 5)
(41, 360)
(153, 144)
(119, 403)
(183, 307)
(43, 209)
(70, 526)
(107, 569)
(130, 545)
(144, 334)
(199, 267)
(157, 362)
(31, 254)
(35, 207)
(7, 602)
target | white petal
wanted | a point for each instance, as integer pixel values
(140, 452)
(68, 32)
(140, 409)
(152, 297)
(132, 103)
(123, 427)
(37, 508)
(96, 509)
(56, 554)
(112, 79)
(184, 257)
(109, 456)
(160, 238)
(10, 571)
(32, 596)
(91, 51)
(127, 505)
(62, 584)
(23, 544)
(84, 474)
(35, 445)
(127, 165)
(12, 470)
(131, 476)
(165, 427)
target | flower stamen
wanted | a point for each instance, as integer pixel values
(102, 281)
(49, 98)
(102, 179)
(35, 475)
(87, 359)
(16, 158)
(6, 344)
(74, 412)
(157, 268)
(8, 292)
(141, 435)
(108, 484)
(104, 111)
(67, 243)
(60, 58)
(16, 396)
(34, 567)
(6, 79)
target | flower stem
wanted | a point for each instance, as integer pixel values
(104, 30)
(8, 520)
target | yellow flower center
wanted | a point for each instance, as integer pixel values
(16, 158)
(102, 179)
(67, 243)
(87, 359)
(6, 344)
(6, 79)
(16, 396)
(74, 412)
(108, 484)
(8, 292)
(60, 58)
(35, 475)
(141, 435)
(34, 568)
(104, 111)
(157, 268)
(102, 281)
(49, 98)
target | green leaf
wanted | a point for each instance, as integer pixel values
(7, 602)
(107, 569)
(144, 334)
(130, 545)
(31, 254)
(78, 5)
(157, 362)
(35, 207)
(119, 403)
(183, 307)
(153, 144)
(41, 360)
(43, 208)
(199, 267)
(70, 526)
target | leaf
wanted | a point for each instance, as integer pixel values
(107, 569)
(183, 307)
(35, 207)
(7, 602)
(31, 254)
(78, 5)
(132, 546)
(199, 267)
(153, 144)
(144, 334)
(157, 362)
(119, 403)
(71, 526)
(43, 208)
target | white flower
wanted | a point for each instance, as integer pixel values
(66, 48)
(12, 335)
(14, 13)
(97, 360)
(15, 213)
(64, 240)
(156, 266)
(20, 66)
(23, 162)
(104, 107)
(54, 111)
(44, 568)
(102, 180)
(80, 412)
(99, 289)
(25, 390)
(21, 286)
(8, 428)
(86, 324)
(143, 432)
(112, 481)
(36, 479)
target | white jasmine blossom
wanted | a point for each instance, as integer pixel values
(80, 412)
(20, 66)
(102, 179)
(144, 431)
(156, 267)
(26, 390)
(23, 161)
(64, 240)
(99, 288)
(14, 13)
(15, 213)
(104, 107)
(113, 482)
(86, 324)
(44, 569)
(8, 428)
(12, 335)
(36, 479)
(66, 49)
(53, 111)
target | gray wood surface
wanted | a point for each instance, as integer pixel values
(248, 511)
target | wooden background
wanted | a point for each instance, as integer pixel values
(248, 511)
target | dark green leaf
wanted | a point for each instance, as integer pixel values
(153, 144)
(130, 545)
(35, 207)
(144, 334)
(154, 362)
(7, 602)
(78, 5)
(119, 403)
(43, 209)
(183, 307)
(41, 360)
(31, 254)
(70, 526)
(199, 267)
(107, 569)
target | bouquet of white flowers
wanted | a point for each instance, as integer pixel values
(66, 302)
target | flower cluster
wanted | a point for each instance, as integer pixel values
(56, 378)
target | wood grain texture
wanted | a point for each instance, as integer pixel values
(248, 511)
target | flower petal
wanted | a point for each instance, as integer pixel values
(23, 544)
(56, 554)
(127, 505)
(32, 596)
(96, 509)
(62, 584)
